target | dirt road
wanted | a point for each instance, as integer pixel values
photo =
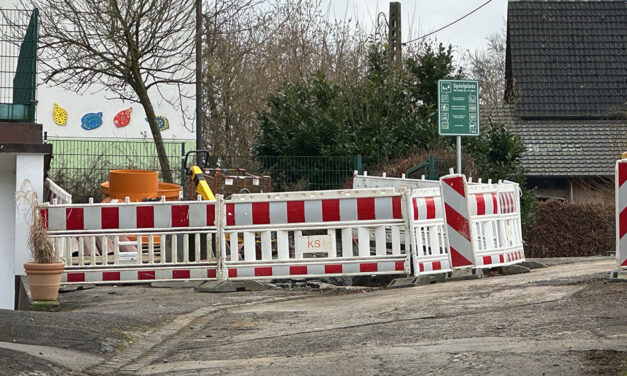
(562, 320)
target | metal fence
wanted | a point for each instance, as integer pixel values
(80, 166)
(18, 64)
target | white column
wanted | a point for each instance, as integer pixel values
(29, 177)
(7, 231)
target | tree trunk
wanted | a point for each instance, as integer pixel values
(144, 99)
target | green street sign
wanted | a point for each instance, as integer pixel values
(458, 108)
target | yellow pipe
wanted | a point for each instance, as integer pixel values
(202, 187)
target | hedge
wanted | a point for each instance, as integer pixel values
(569, 230)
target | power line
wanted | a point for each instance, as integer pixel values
(452, 23)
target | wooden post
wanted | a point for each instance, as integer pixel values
(394, 33)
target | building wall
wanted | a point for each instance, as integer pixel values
(77, 105)
(7, 233)
(581, 190)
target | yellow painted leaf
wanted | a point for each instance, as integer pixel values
(59, 114)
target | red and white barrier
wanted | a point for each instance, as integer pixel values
(430, 253)
(130, 216)
(495, 221)
(457, 218)
(621, 213)
(310, 234)
(139, 274)
(432, 229)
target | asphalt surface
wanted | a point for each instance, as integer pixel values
(565, 319)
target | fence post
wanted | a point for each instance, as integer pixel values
(407, 210)
(432, 173)
(358, 164)
(220, 216)
(183, 168)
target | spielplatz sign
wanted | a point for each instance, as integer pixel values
(458, 107)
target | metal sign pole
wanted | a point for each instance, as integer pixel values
(459, 154)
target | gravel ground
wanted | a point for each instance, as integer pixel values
(565, 319)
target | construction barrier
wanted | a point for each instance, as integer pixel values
(414, 227)
(313, 234)
(429, 245)
(621, 213)
(495, 223)
(94, 240)
(483, 222)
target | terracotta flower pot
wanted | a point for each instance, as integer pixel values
(44, 279)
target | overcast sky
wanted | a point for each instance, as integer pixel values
(422, 16)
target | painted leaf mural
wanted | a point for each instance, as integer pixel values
(123, 118)
(59, 114)
(91, 121)
(162, 122)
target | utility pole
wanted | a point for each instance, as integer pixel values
(199, 127)
(394, 33)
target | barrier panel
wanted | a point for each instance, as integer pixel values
(457, 218)
(314, 234)
(426, 218)
(621, 213)
(134, 242)
(495, 224)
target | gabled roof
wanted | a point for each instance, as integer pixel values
(571, 148)
(567, 58)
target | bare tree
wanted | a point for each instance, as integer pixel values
(131, 48)
(251, 51)
(488, 67)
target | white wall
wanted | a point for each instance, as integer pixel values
(29, 177)
(7, 230)
(21, 172)
(78, 105)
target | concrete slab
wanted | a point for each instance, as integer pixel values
(429, 279)
(44, 305)
(401, 282)
(514, 269)
(533, 264)
(619, 275)
(464, 274)
(230, 286)
(176, 284)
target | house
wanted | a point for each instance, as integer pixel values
(566, 80)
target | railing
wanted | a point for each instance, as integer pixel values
(54, 193)
(18, 64)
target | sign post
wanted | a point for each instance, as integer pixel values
(458, 111)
